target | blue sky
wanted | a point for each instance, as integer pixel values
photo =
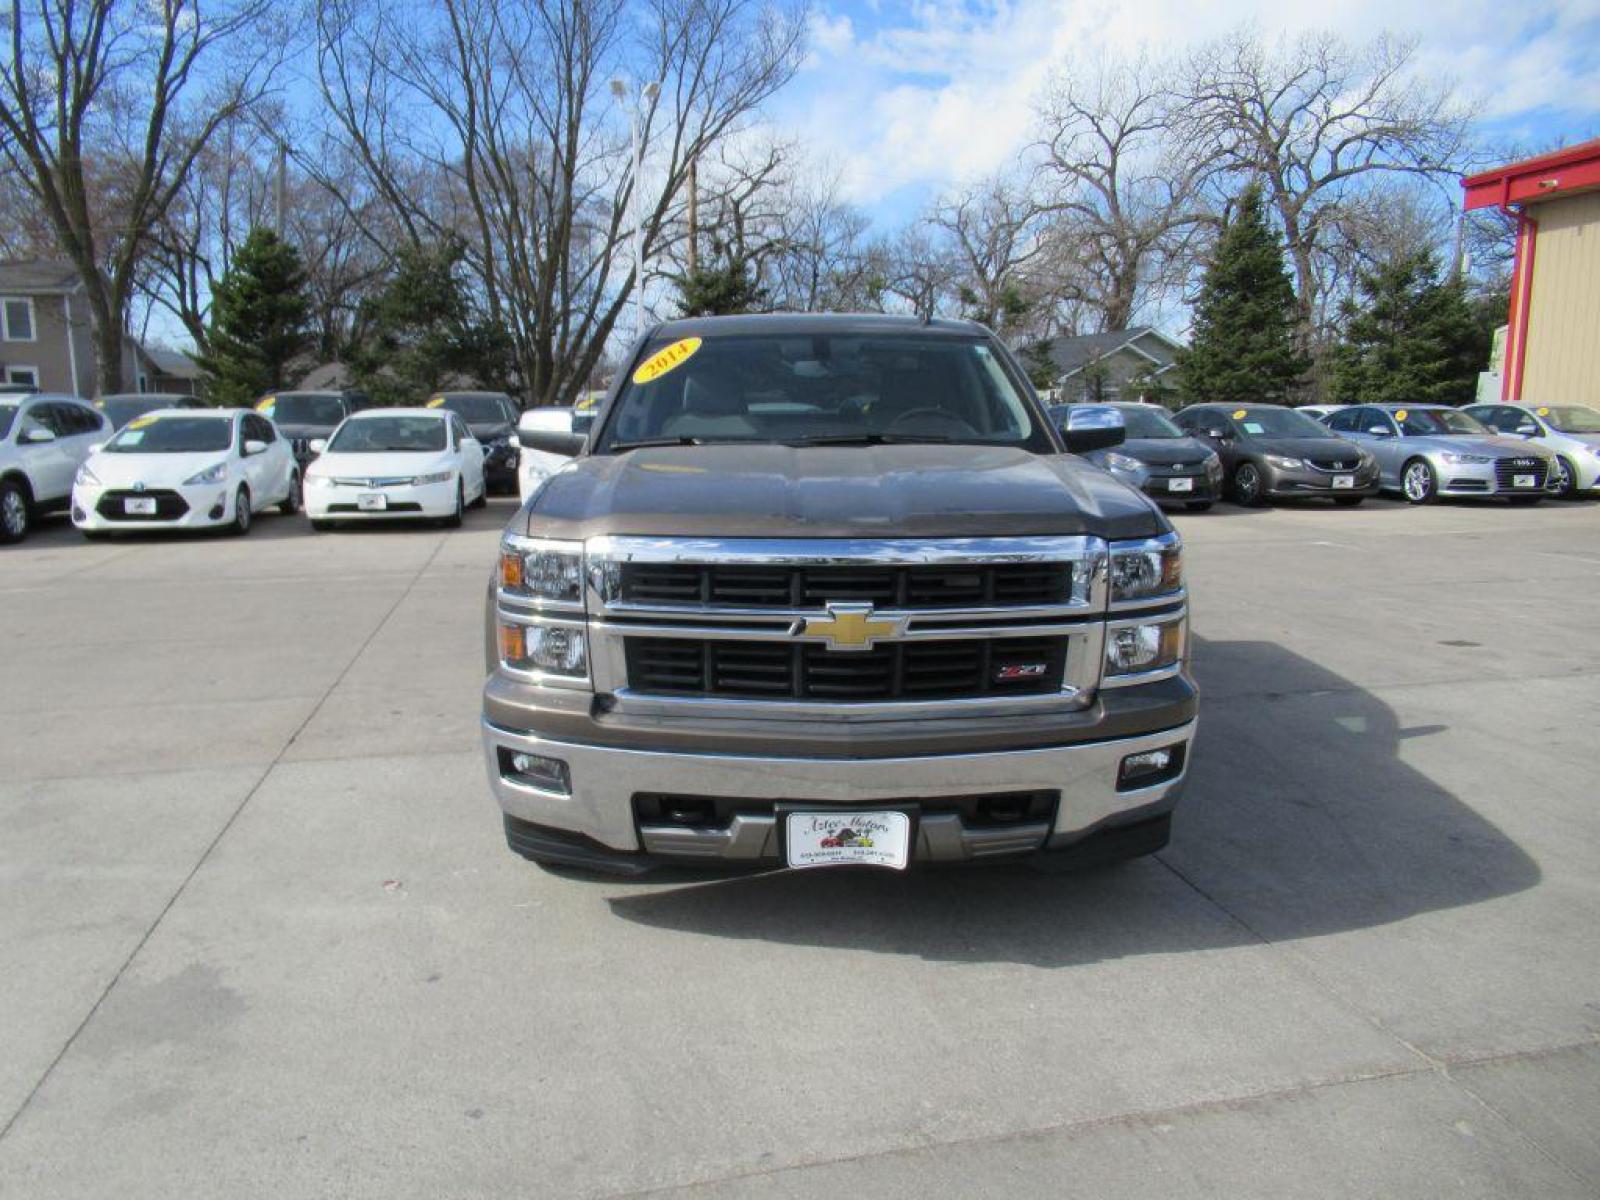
(905, 97)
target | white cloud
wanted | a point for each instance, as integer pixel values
(923, 95)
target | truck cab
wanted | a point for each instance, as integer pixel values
(830, 590)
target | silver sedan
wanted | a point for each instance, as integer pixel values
(1569, 431)
(1428, 451)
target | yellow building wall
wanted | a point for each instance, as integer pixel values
(1563, 357)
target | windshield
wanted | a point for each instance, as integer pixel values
(1436, 422)
(477, 410)
(1147, 421)
(290, 408)
(1277, 422)
(172, 435)
(381, 435)
(817, 388)
(8, 414)
(1571, 418)
(119, 410)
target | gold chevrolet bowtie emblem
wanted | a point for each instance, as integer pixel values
(854, 626)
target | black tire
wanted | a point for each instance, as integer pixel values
(453, 521)
(1564, 483)
(1197, 506)
(320, 526)
(291, 503)
(483, 497)
(1249, 490)
(1419, 483)
(16, 510)
(241, 512)
(96, 535)
(1348, 501)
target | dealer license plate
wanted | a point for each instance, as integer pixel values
(372, 502)
(1344, 481)
(1180, 485)
(140, 506)
(833, 839)
(1523, 481)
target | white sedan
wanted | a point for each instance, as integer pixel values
(186, 468)
(422, 463)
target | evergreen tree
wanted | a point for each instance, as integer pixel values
(1244, 348)
(1409, 339)
(259, 312)
(720, 289)
(422, 330)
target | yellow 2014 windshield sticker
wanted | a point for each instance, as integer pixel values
(1543, 412)
(667, 359)
(436, 402)
(141, 422)
(1239, 414)
(266, 403)
(1401, 415)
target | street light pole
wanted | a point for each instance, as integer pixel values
(647, 95)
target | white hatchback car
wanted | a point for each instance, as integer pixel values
(421, 463)
(186, 468)
(43, 441)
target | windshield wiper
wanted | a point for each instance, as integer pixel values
(877, 439)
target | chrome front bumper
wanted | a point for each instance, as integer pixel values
(604, 781)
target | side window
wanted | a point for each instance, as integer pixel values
(1343, 421)
(462, 432)
(1375, 420)
(88, 420)
(50, 416)
(259, 429)
(1518, 421)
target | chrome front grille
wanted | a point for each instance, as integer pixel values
(991, 623)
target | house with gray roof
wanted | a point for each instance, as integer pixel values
(47, 335)
(1123, 364)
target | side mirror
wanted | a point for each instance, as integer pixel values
(1528, 431)
(554, 441)
(317, 445)
(1093, 427)
(1380, 431)
(36, 437)
(254, 446)
(1217, 433)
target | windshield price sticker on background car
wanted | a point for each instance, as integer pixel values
(1543, 412)
(1401, 415)
(667, 359)
(141, 422)
(436, 402)
(1240, 414)
(266, 403)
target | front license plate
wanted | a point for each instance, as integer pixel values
(372, 502)
(140, 506)
(1344, 481)
(1180, 485)
(1523, 481)
(835, 839)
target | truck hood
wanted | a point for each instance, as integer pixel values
(836, 491)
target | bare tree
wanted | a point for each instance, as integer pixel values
(104, 109)
(993, 230)
(1122, 188)
(1317, 121)
(504, 110)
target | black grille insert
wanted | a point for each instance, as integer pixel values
(918, 586)
(1507, 469)
(169, 505)
(930, 670)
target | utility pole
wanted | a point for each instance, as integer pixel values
(647, 96)
(694, 217)
(281, 186)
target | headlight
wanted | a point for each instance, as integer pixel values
(1457, 459)
(1283, 463)
(542, 570)
(1146, 570)
(549, 649)
(436, 477)
(214, 474)
(87, 477)
(1121, 464)
(1138, 648)
(319, 481)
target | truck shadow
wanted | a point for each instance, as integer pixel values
(1300, 820)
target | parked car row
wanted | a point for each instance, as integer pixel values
(212, 468)
(1257, 453)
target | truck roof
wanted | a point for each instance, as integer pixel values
(804, 323)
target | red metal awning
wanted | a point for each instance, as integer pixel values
(1559, 173)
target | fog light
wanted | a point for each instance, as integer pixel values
(536, 771)
(1143, 647)
(1150, 767)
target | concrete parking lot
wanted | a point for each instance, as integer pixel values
(262, 937)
